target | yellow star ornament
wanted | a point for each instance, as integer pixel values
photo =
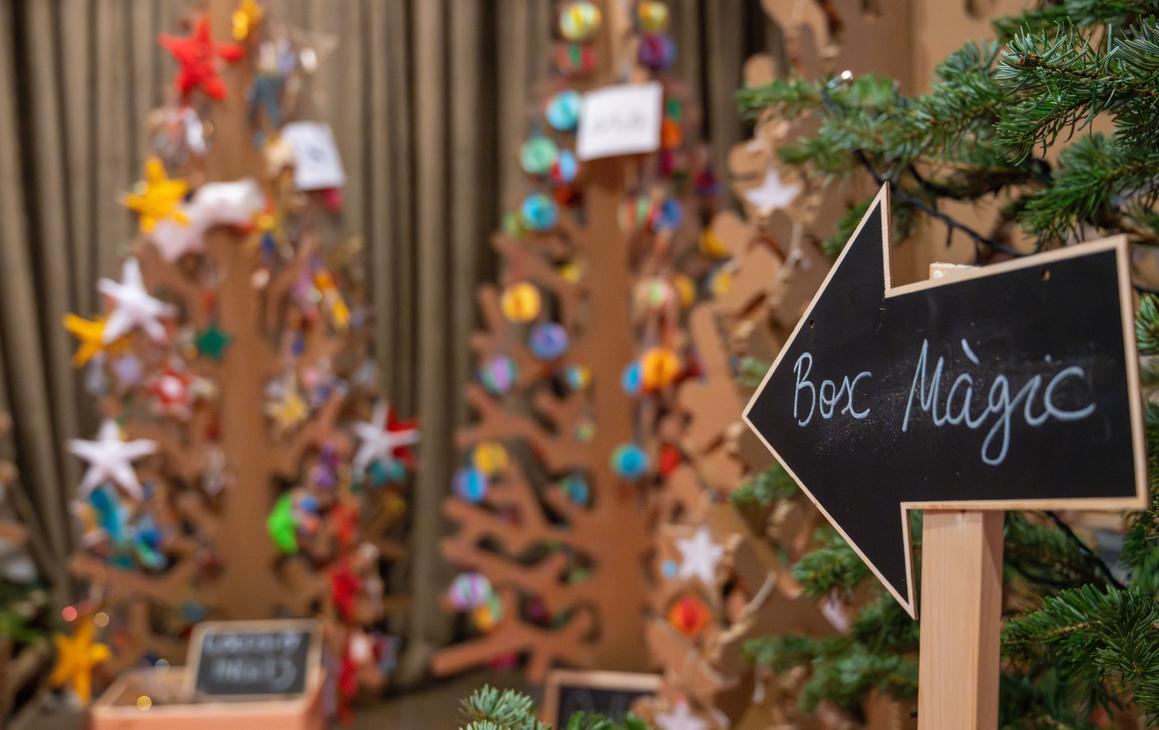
(246, 18)
(158, 197)
(76, 656)
(89, 333)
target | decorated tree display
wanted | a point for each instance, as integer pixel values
(23, 599)
(247, 465)
(1050, 124)
(584, 341)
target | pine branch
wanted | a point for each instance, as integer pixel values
(764, 489)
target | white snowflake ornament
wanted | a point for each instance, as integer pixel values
(110, 459)
(133, 305)
(699, 556)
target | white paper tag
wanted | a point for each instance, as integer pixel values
(317, 164)
(620, 120)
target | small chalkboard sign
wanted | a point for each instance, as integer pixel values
(254, 659)
(610, 694)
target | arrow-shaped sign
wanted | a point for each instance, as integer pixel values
(1015, 386)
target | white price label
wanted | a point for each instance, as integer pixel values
(317, 163)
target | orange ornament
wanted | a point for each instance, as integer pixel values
(670, 134)
(660, 368)
(689, 615)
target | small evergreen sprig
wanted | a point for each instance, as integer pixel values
(488, 708)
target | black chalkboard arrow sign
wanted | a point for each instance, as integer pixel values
(1015, 386)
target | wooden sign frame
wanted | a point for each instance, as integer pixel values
(313, 656)
(594, 679)
(1126, 308)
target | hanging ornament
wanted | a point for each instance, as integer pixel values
(712, 245)
(706, 183)
(246, 18)
(671, 134)
(133, 305)
(670, 458)
(689, 615)
(720, 281)
(585, 430)
(699, 556)
(490, 457)
(128, 370)
(521, 302)
(563, 110)
(172, 392)
(579, 377)
(653, 16)
(661, 367)
(632, 378)
(487, 615)
(667, 216)
(565, 168)
(653, 294)
(577, 489)
(575, 59)
(384, 439)
(110, 459)
(685, 289)
(197, 56)
(281, 527)
(579, 21)
(469, 590)
(539, 212)
(470, 484)
(657, 51)
(498, 375)
(76, 657)
(548, 340)
(157, 197)
(630, 461)
(537, 155)
(91, 336)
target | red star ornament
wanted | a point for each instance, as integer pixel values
(197, 55)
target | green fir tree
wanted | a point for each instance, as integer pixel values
(1084, 642)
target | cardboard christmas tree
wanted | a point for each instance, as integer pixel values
(584, 341)
(247, 465)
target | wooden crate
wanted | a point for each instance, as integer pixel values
(120, 708)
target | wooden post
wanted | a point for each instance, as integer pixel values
(961, 616)
(961, 610)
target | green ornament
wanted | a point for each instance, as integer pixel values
(537, 155)
(674, 109)
(212, 342)
(280, 525)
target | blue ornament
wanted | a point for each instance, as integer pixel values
(668, 216)
(577, 490)
(539, 212)
(110, 514)
(470, 484)
(669, 569)
(386, 472)
(192, 612)
(563, 111)
(548, 340)
(565, 167)
(499, 374)
(630, 461)
(632, 379)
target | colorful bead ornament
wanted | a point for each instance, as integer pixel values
(565, 168)
(685, 289)
(470, 484)
(521, 302)
(660, 367)
(579, 21)
(712, 245)
(630, 462)
(654, 293)
(537, 155)
(539, 212)
(487, 615)
(563, 110)
(548, 340)
(667, 216)
(498, 375)
(577, 489)
(657, 52)
(469, 590)
(575, 59)
(632, 378)
(578, 377)
(689, 615)
(653, 16)
(490, 457)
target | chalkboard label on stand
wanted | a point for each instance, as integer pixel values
(610, 694)
(254, 659)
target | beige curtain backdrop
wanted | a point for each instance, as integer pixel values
(428, 100)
